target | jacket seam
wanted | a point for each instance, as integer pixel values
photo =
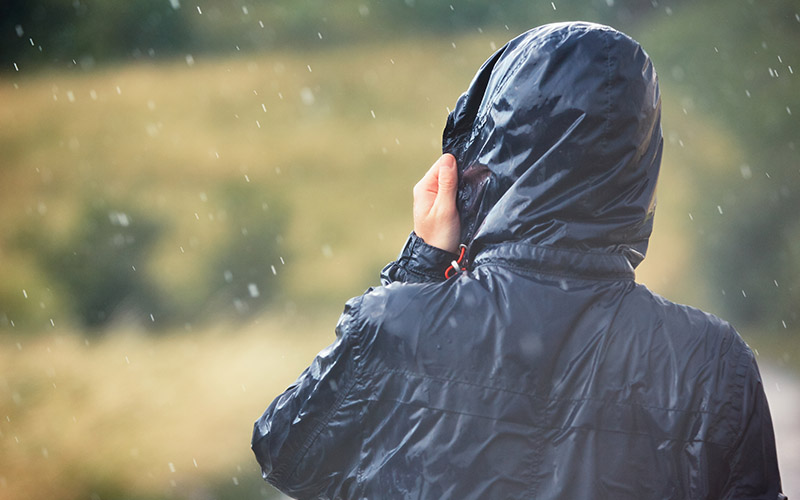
(609, 276)
(545, 399)
(356, 309)
(539, 426)
(738, 407)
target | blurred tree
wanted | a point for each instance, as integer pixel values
(100, 269)
(85, 31)
(243, 275)
(741, 70)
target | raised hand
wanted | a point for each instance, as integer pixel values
(435, 215)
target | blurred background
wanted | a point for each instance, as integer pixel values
(190, 190)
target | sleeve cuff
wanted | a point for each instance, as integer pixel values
(418, 262)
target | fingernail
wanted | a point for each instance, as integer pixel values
(448, 160)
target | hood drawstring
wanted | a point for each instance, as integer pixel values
(456, 264)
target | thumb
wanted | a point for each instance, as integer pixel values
(448, 178)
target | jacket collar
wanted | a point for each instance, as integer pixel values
(557, 261)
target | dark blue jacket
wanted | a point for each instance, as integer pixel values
(543, 370)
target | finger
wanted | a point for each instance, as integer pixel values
(447, 179)
(446, 185)
(430, 181)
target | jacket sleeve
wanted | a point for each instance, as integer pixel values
(418, 262)
(301, 437)
(753, 458)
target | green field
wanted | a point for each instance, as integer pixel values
(334, 139)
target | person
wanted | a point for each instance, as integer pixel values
(528, 363)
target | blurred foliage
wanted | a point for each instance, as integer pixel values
(102, 270)
(88, 31)
(243, 273)
(738, 63)
(101, 267)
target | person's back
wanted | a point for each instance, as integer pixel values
(541, 370)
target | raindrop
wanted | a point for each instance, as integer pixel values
(70, 96)
(309, 67)
(189, 60)
(747, 92)
(228, 276)
(264, 107)
(235, 481)
(747, 173)
(363, 10)
(19, 30)
(690, 216)
(153, 319)
(788, 110)
(258, 124)
(52, 323)
(744, 294)
(24, 293)
(119, 90)
(93, 94)
(372, 112)
(252, 289)
(791, 71)
(668, 11)
(327, 251)
(261, 23)
(274, 271)
(194, 461)
(319, 35)
(783, 322)
(553, 5)
(176, 4)
(244, 10)
(171, 465)
(776, 283)
(246, 178)
(198, 10)
(307, 96)
(719, 209)
(610, 3)
(16, 67)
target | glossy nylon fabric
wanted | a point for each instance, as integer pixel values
(543, 371)
(558, 143)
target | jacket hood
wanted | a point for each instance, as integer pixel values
(558, 142)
